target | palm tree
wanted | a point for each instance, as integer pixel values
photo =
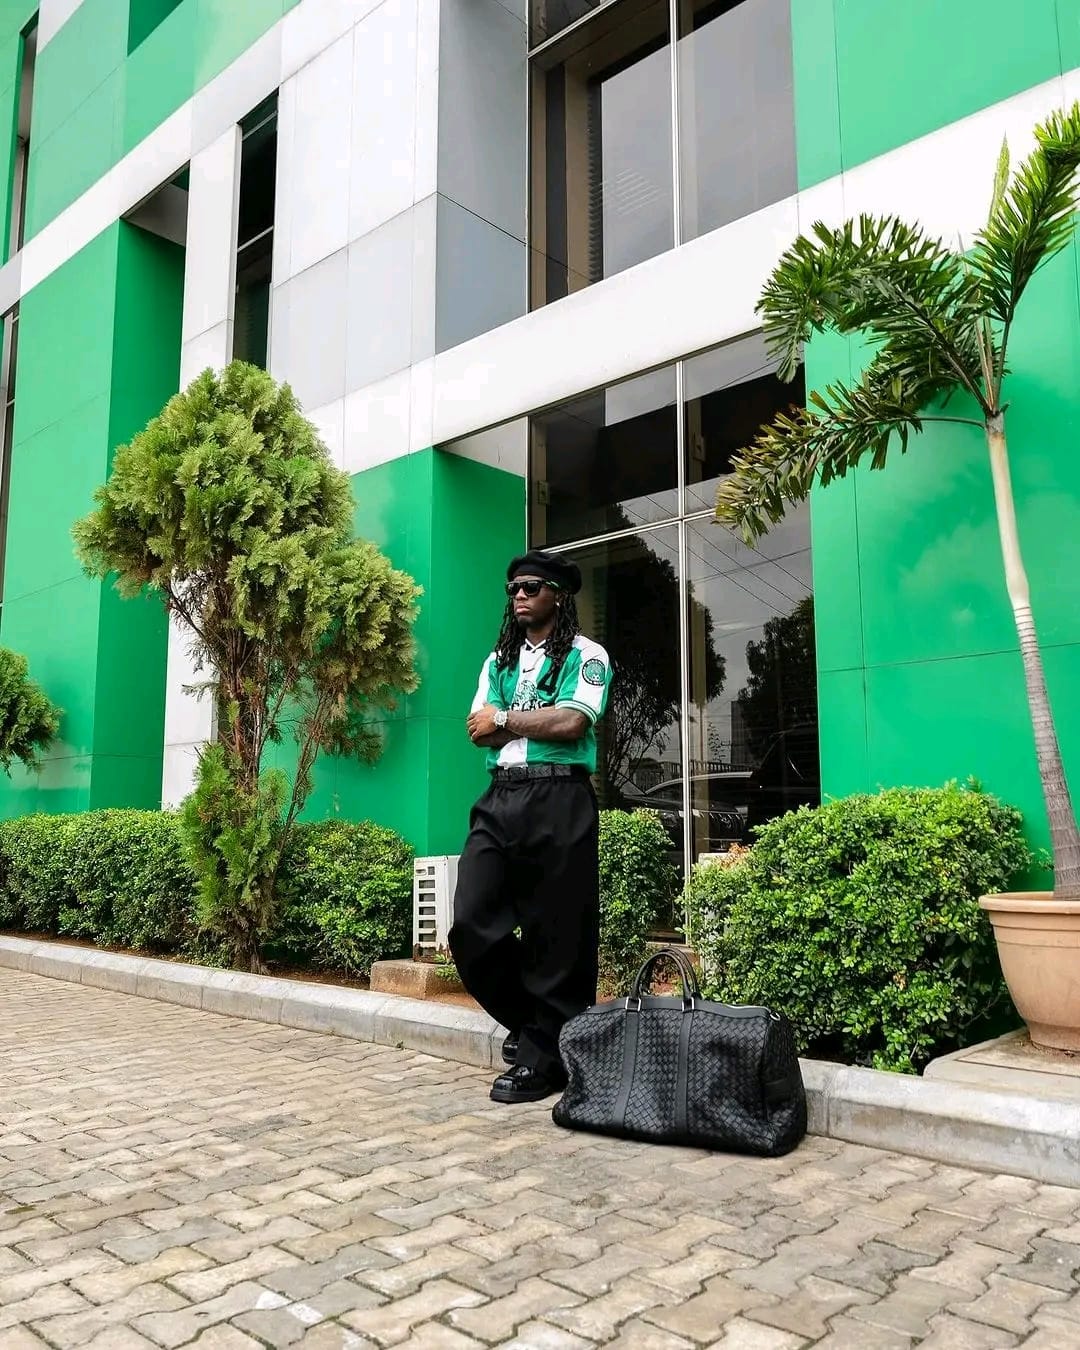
(939, 321)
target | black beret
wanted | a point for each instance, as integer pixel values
(551, 567)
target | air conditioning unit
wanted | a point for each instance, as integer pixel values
(434, 880)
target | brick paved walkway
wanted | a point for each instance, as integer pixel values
(170, 1178)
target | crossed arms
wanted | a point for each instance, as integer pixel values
(542, 724)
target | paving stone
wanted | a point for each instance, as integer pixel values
(76, 1328)
(948, 1332)
(395, 1321)
(543, 1336)
(908, 1306)
(176, 1328)
(740, 1334)
(807, 1312)
(966, 1267)
(267, 1186)
(1009, 1303)
(698, 1318)
(499, 1318)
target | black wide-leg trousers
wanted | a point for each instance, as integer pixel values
(530, 863)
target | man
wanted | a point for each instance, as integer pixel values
(530, 861)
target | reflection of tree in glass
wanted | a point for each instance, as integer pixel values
(642, 599)
(781, 692)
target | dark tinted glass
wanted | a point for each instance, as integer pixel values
(736, 110)
(258, 174)
(548, 17)
(602, 196)
(606, 462)
(731, 393)
(630, 604)
(251, 320)
(753, 750)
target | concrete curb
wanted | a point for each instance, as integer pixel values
(1029, 1136)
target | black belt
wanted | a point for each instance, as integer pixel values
(529, 773)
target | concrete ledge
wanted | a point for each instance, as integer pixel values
(1022, 1133)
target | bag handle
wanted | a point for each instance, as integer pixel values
(685, 968)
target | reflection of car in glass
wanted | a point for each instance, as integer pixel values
(726, 806)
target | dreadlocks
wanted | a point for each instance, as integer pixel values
(559, 643)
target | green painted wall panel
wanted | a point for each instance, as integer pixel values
(453, 525)
(78, 60)
(57, 631)
(53, 476)
(159, 75)
(842, 731)
(226, 29)
(79, 152)
(873, 75)
(107, 324)
(66, 334)
(15, 15)
(817, 97)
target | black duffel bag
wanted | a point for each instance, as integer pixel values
(683, 1071)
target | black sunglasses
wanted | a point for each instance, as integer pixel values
(531, 587)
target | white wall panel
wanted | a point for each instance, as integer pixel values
(384, 109)
(307, 331)
(377, 422)
(380, 302)
(314, 156)
(210, 260)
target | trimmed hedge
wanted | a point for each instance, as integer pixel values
(860, 920)
(121, 879)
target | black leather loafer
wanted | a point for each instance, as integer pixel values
(510, 1048)
(522, 1084)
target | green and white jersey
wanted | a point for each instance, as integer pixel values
(582, 683)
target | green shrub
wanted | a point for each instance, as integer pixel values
(131, 883)
(860, 920)
(637, 881)
(117, 878)
(28, 721)
(35, 885)
(346, 891)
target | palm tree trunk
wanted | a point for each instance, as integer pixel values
(1064, 834)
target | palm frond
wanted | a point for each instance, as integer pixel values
(881, 277)
(827, 439)
(1031, 219)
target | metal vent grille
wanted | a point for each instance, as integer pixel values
(434, 880)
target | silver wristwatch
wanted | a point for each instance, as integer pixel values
(500, 719)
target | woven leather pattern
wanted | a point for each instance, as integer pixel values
(650, 1110)
(744, 1088)
(592, 1054)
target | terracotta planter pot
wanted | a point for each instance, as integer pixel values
(1038, 942)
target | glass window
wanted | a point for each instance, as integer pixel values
(736, 110)
(606, 462)
(753, 742)
(20, 168)
(731, 393)
(630, 603)
(549, 17)
(601, 471)
(255, 234)
(603, 181)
